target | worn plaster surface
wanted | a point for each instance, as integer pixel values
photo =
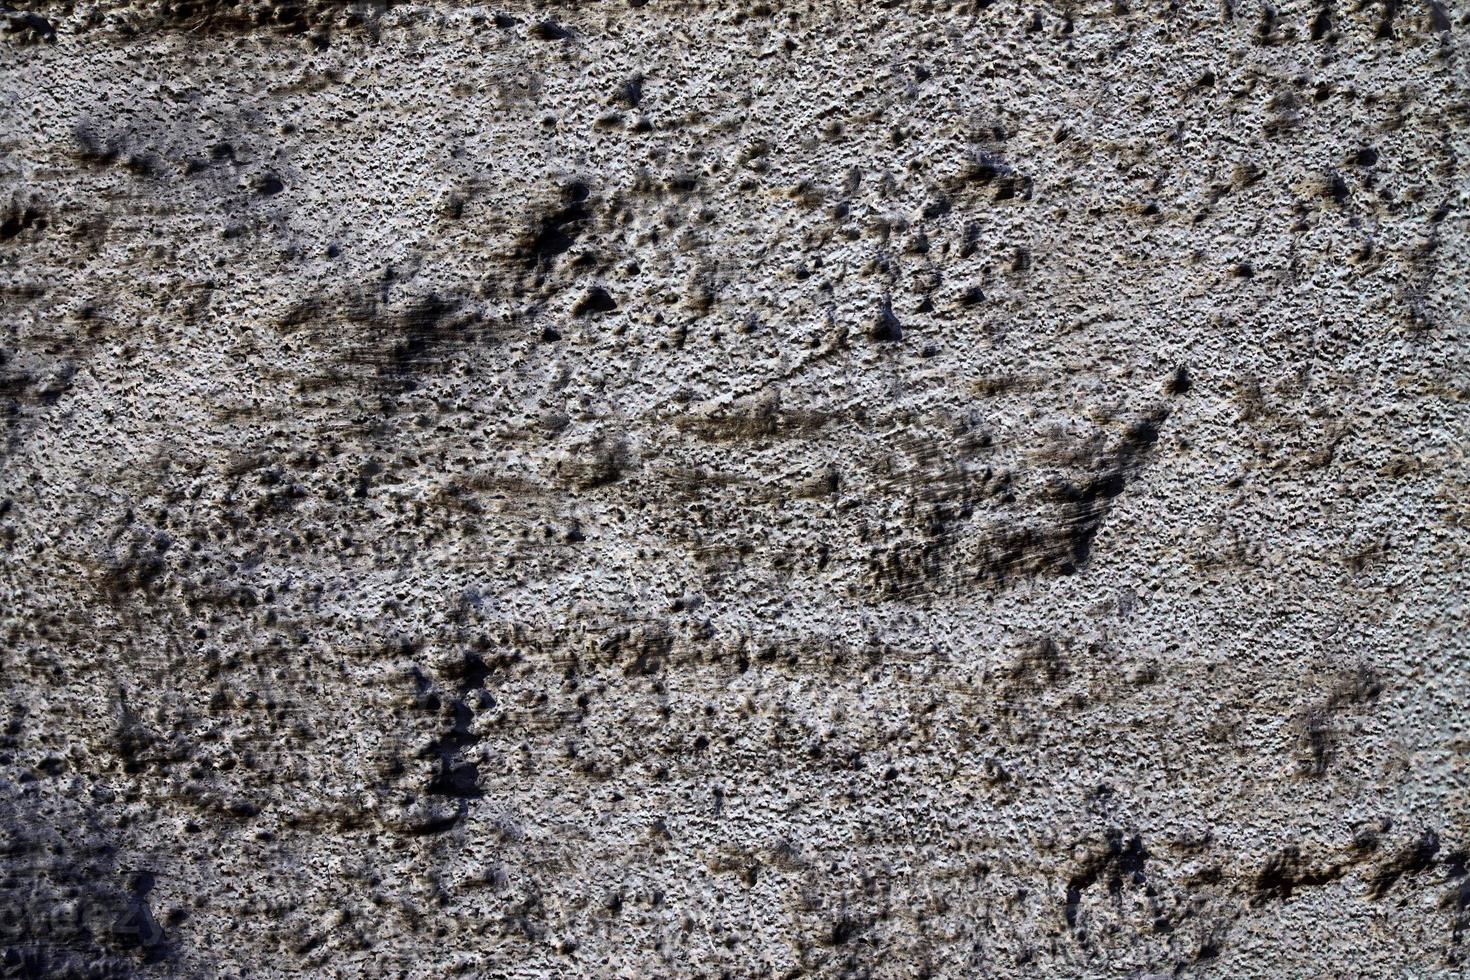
(734, 489)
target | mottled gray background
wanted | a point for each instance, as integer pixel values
(734, 489)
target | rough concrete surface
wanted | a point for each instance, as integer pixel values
(667, 489)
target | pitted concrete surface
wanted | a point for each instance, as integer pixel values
(737, 489)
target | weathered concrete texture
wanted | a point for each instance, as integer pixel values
(743, 489)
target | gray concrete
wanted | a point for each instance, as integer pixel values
(734, 489)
